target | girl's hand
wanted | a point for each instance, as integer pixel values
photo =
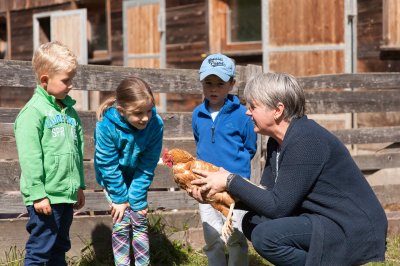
(143, 212)
(213, 182)
(117, 211)
(81, 200)
(42, 206)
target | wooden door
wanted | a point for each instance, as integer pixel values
(144, 37)
(311, 37)
(70, 28)
(307, 37)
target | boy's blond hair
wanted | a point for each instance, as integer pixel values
(52, 58)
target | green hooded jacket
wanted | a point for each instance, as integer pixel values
(50, 149)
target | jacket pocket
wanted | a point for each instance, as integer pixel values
(58, 179)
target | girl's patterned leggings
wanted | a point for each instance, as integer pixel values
(133, 227)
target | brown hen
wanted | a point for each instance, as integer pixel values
(182, 163)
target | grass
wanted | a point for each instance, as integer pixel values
(173, 253)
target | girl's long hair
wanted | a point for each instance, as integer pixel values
(129, 91)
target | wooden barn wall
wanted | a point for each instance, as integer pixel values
(370, 58)
(308, 63)
(22, 30)
(22, 49)
(6, 5)
(117, 47)
(298, 28)
(186, 33)
(370, 38)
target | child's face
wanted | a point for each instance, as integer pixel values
(138, 114)
(215, 90)
(58, 85)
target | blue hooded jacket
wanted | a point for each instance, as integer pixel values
(229, 141)
(125, 158)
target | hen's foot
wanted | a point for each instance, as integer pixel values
(227, 228)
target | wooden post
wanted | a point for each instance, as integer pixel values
(243, 75)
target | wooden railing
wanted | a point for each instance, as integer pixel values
(325, 94)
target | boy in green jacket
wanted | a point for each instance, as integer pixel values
(49, 140)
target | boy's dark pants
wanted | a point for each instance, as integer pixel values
(49, 235)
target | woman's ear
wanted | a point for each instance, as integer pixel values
(44, 80)
(280, 107)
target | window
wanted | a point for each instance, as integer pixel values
(99, 45)
(244, 21)
(3, 37)
(235, 26)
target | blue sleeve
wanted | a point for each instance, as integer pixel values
(194, 127)
(297, 174)
(250, 138)
(147, 163)
(107, 163)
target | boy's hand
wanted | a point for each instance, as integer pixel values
(117, 211)
(42, 206)
(81, 200)
(143, 212)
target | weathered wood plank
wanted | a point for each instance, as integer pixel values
(8, 146)
(352, 101)
(176, 125)
(362, 80)
(10, 171)
(347, 136)
(10, 175)
(368, 135)
(106, 78)
(95, 201)
(377, 161)
(161, 200)
(388, 194)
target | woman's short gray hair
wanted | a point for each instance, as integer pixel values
(273, 88)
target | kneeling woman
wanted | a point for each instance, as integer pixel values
(313, 205)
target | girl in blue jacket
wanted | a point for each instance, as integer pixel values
(128, 141)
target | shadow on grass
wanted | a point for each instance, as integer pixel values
(162, 250)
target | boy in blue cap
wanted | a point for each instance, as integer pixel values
(225, 137)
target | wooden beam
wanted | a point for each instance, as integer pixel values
(362, 80)
(323, 102)
(377, 161)
(176, 125)
(95, 201)
(163, 179)
(10, 175)
(368, 135)
(107, 78)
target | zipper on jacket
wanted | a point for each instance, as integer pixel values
(69, 139)
(212, 133)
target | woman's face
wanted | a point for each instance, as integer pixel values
(262, 116)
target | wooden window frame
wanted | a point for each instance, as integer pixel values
(390, 25)
(6, 17)
(218, 11)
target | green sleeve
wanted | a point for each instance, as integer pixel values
(28, 129)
